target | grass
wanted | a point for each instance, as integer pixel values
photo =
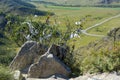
(82, 41)
(76, 13)
(8, 51)
(75, 2)
(63, 8)
(67, 16)
(92, 15)
(5, 73)
(104, 28)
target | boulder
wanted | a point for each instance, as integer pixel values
(48, 65)
(29, 53)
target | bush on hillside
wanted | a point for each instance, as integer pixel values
(102, 57)
(7, 50)
(5, 73)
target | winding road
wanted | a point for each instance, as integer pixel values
(96, 25)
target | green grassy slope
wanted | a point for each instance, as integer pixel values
(101, 56)
(73, 14)
(18, 7)
(80, 2)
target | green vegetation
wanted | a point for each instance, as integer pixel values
(98, 57)
(79, 3)
(18, 7)
(88, 54)
(91, 16)
(104, 28)
(7, 50)
(5, 73)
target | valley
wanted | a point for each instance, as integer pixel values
(88, 32)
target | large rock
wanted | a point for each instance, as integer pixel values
(29, 53)
(48, 65)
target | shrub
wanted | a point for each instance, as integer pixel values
(5, 74)
(97, 58)
(6, 55)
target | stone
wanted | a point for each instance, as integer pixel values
(48, 65)
(29, 53)
(17, 75)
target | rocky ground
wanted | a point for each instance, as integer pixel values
(103, 76)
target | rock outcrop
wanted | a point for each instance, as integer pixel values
(47, 66)
(30, 53)
(38, 61)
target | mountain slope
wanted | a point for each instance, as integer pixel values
(18, 7)
(80, 2)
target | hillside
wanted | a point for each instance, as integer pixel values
(18, 7)
(79, 2)
(75, 38)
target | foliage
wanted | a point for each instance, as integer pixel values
(101, 61)
(7, 45)
(7, 50)
(26, 10)
(6, 55)
(12, 26)
(21, 30)
(97, 57)
(81, 60)
(19, 7)
(5, 73)
(3, 21)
